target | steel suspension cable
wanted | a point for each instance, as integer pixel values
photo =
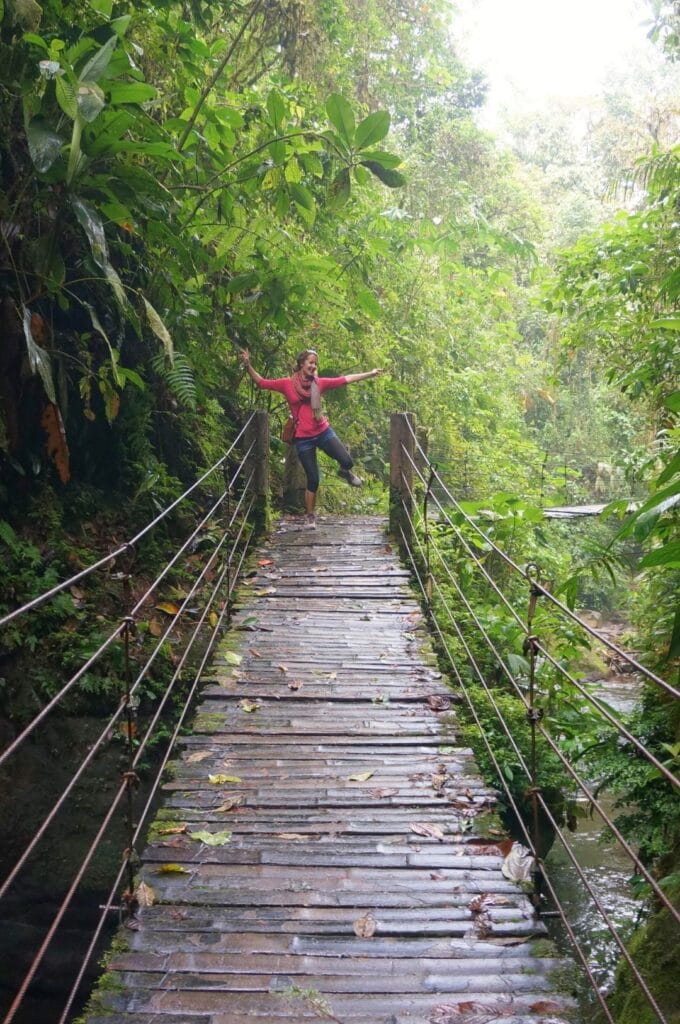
(171, 744)
(642, 669)
(118, 713)
(123, 548)
(558, 752)
(573, 938)
(602, 911)
(69, 896)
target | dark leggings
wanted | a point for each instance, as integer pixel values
(329, 443)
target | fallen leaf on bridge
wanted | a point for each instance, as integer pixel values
(177, 830)
(290, 835)
(295, 684)
(212, 838)
(382, 793)
(361, 776)
(249, 705)
(198, 755)
(229, 805)
(430, 831)
(364, 927)
(438, 703)
(145, 895)
(232, 659)
(172, 869)
(219, 780)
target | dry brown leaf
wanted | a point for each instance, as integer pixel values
(145, 895)
(229, 805)
(155, 628)
(438, 782)
(546, 1006)
(295, 684)
(382, 793)
(198, 755)
(282, 668)
(254, 651)
(56, 444)
(176, 830)
(364, 927)
(438, 703)
(430, 831)
(290, 835)
(249, 705)
(266, 561)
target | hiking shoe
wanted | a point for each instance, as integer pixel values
(309, 523)
(352, 479)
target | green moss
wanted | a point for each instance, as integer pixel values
(655, 950)
(544, 948)
(209, 722)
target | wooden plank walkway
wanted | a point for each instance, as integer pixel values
(336, 762)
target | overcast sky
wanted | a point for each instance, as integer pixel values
(533, 49)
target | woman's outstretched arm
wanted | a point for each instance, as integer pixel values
(352, 378)
(244, 355)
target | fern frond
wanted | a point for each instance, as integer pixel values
(178, 377)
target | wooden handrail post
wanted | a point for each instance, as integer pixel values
(257, 436)
(402, 445)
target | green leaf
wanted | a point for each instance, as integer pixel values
(66, 97)
(671, 469)
(372, 129)
(672, 401)
(159, 329)
(97, 65)
(102, 7)
(368, 302)
(388, 160)
(389, 177)
(303, 197)
(666, 554)
(276, 107)
(38, 358)
(668, 323)
(91, 101)
(341, 116)
(339, 190)
(132, 92)
(44, 145)
(293, 172)
(112, 352)
(232, 659)
(121, 25)
(89, 220)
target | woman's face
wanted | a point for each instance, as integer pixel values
(310, 365)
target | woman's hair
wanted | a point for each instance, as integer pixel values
(300, 358)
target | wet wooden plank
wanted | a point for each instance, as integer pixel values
(357, 839)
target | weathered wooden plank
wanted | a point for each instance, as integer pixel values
(332, 749)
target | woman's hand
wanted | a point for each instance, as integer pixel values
(244, 356)
(377, 372)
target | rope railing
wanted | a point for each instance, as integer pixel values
(421, 536)
(226, 554)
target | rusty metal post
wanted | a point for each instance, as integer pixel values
(402, 445)
(257, 435)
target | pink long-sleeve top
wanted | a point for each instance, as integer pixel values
(301, 409)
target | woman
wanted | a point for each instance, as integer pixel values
(303, 390)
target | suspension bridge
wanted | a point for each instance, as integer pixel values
(325, 847)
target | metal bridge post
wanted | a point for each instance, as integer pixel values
(534, 713)
(402, 452)
(257, 435)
